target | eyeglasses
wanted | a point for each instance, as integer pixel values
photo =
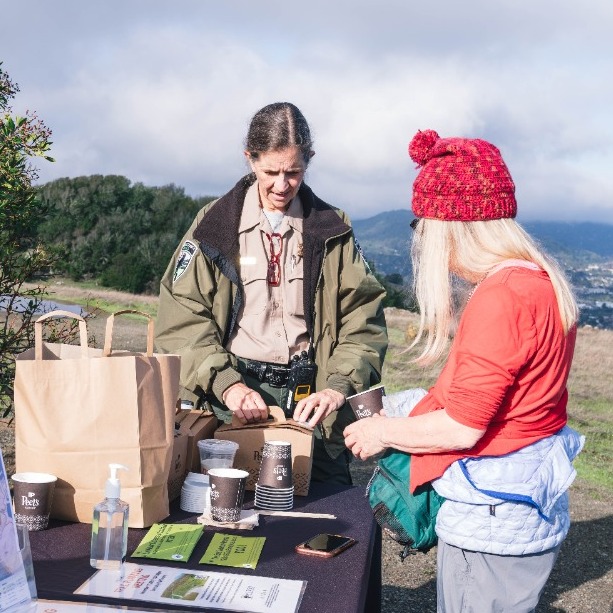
(275, 242)
(414, 223)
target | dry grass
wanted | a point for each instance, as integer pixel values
(592, 367)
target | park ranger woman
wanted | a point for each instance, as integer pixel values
(269, 275)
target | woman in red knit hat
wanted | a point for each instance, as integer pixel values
(491, 434)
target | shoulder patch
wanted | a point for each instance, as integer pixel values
(359, 249)
(185, 257)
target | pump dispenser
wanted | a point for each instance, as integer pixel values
(110, 525)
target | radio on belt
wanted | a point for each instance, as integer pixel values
(300, 381)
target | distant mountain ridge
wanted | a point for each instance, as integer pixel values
(385, 238)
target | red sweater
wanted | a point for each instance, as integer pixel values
(506, 372)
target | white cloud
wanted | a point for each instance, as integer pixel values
(163, 92)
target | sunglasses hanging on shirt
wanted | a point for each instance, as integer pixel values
(275, 242)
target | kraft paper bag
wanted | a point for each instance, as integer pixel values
(78, 409)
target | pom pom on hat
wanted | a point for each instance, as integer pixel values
(461, 179)
(421, 145)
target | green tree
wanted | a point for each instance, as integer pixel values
(105, 228)
(397, 295)
(21, 255)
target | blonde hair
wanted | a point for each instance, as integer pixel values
(470, 250)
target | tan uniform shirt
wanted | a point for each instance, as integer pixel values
(270, 325)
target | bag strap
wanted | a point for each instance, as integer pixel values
(110, 322)
(38, 332)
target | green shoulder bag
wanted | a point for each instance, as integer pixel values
(408, 518)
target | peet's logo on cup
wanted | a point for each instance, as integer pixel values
(362, 412)
(30, 501)
(281, 471)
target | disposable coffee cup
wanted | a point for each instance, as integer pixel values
(276, 465)
(32, 498)
(216, 453)
(227, 493)
(367, 403)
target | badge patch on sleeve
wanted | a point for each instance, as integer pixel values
(185, 257)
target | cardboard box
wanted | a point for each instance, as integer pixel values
(178, 465)
(251, 439)
(190, 427)
(197, 425)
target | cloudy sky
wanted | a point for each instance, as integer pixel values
(162, 91)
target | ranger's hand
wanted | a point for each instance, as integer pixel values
(245, 403)
(313, 409)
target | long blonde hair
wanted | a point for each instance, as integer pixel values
(470, 249)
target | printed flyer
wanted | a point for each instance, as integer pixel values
(169, 542)
(197, 588)
(14, 588)
(232, 550)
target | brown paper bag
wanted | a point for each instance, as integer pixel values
(77, 409)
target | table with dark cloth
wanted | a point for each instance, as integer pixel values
(348, 582)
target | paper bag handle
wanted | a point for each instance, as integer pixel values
(108, 337)
(275, 416)
(38, 332)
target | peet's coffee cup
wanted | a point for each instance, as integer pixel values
(227, 493)
(276, 465)
(368, 402)
(32, 497)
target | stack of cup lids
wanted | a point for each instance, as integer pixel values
(274, 489)
(195, 493)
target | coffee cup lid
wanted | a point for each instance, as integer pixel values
(32, 477)
(218, 445)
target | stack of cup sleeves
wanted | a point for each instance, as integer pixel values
(274, 489)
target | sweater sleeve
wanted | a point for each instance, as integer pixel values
(495, 340)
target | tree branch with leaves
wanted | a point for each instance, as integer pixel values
(22, 256)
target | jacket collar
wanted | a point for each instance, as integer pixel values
(218, 232)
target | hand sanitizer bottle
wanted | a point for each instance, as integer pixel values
(110, 526)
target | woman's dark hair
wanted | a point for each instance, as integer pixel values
(277, 126)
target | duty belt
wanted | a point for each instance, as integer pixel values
(273, 374)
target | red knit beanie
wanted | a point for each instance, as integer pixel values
(461, 179)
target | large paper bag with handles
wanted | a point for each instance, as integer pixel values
(77, 409)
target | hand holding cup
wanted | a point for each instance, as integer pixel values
(367, 403)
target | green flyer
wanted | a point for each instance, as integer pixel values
(236, 551)
(169, 542)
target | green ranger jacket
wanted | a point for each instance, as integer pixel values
(201, 298)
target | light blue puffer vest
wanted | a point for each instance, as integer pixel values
(514, 504)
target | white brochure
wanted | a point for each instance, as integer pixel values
(196, 588)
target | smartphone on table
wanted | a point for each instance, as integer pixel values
(325, 545)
